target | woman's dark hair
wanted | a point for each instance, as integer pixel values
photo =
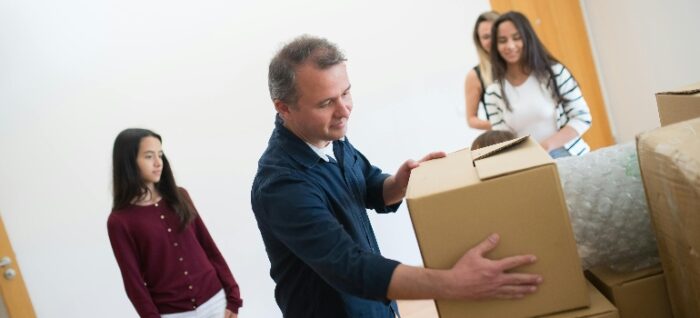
(492, 137)
(127, 183)
(535, 57)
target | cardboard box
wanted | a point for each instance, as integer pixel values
(637, 294)
(679, 105)
(511, 189)
(669, 159)
(600, 308)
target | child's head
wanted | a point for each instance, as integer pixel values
(139, 164)
(492, 137)
(138, 161)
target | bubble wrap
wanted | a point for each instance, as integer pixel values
(608, 208)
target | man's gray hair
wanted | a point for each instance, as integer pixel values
(281, 79)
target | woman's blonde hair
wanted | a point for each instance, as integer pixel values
(484, 58)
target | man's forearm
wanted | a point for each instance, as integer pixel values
(409, 282)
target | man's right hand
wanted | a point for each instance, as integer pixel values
(477, 277)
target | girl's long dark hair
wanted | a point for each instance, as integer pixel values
(535, 57)
(128, 185)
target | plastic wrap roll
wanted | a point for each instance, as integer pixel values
(608, 208)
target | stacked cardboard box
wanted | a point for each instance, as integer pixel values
(636, 294)
(512, 189)
(669, 158)
(679, 105)
(599, 308)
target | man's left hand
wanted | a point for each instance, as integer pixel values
(395, 186)
(230, 314)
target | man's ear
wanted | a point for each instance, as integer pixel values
(282, 108)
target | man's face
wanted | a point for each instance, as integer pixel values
(321, 114)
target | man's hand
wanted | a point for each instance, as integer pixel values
(472, 277)
(230, 314)
(395, 186)
(477, 277)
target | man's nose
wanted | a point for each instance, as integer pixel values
(343, 109)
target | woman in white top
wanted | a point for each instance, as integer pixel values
(532, 93)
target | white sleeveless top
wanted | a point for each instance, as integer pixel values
(533, 110)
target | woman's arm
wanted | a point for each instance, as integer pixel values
(472, 95)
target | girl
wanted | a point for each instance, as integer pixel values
(170, 265)
(532, 92)
(479, 77)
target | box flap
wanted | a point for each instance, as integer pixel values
(494, 149)
(685, 90)
(508, 157)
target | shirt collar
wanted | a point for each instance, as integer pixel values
(324, 152)
(302, 152)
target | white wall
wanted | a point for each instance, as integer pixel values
(642, 47)
(74, 73)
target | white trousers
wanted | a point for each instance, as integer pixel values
(215, 307)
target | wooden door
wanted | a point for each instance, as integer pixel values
(560, 26)
(14, 293)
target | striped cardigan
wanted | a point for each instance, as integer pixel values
(574, 112)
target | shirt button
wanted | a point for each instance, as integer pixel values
(180, 259)
(170, 230)
(193, 300)
(185, 272)
(194, 307)
(156, 204)
(162, 216)
(190, 287)
(175, 244)
(145, 284)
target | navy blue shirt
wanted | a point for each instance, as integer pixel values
(313, 219)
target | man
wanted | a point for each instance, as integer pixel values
(310, 197)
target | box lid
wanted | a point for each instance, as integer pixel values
(508, 157)
(465, 167)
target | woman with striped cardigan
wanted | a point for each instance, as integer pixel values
(532, 93)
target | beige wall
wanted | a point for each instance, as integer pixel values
(642, 47)
(74, 73)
